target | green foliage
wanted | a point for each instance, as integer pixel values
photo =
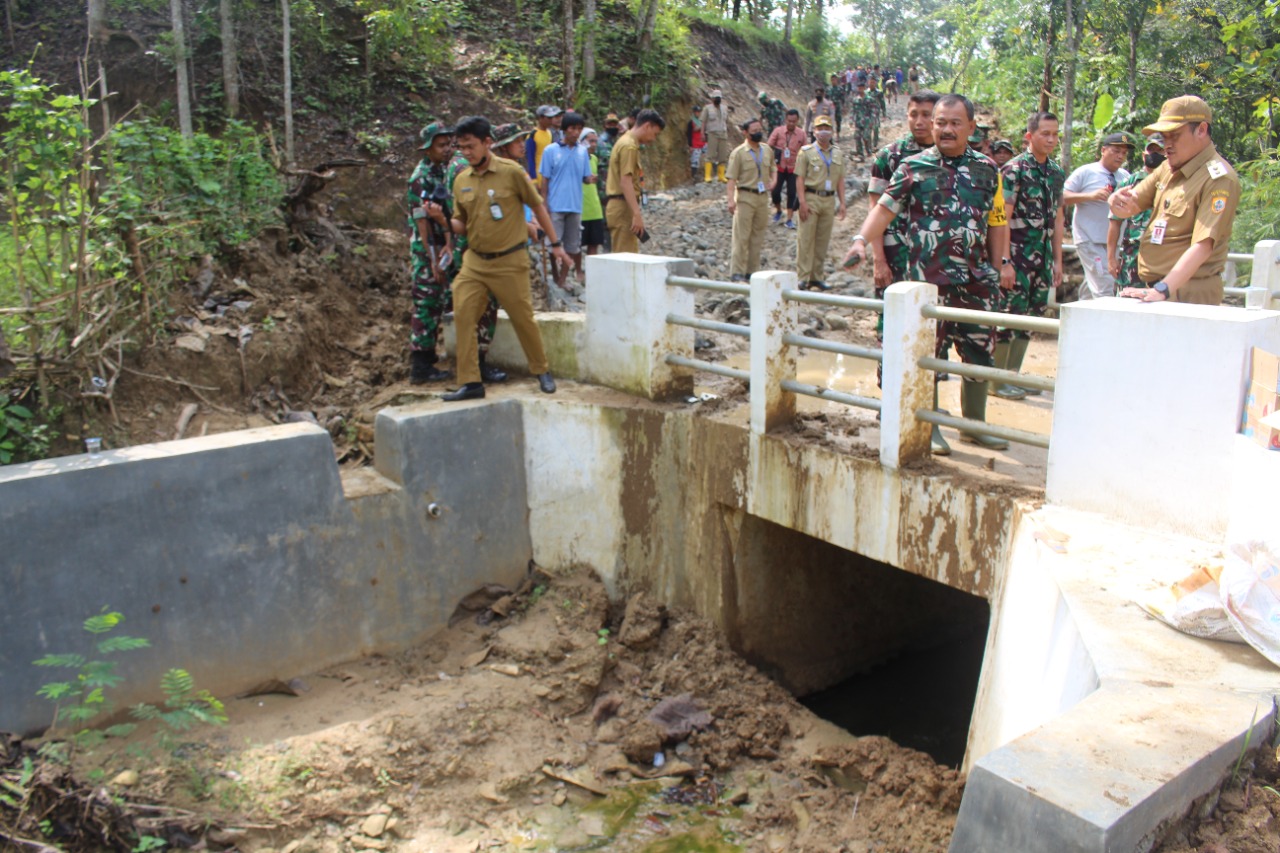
(1258, 216)
(22, 437)
(83, 697)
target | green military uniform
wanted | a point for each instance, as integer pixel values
(488, 324)
(773, 113)
(822, 173)
(949, 203)
(604, 151)
(496, 263)
(1032, 195)
(882, 109)
(430, 292)
(1131, 236)
(883, 166)
(839, 96)
(862, 111)
(753, 173)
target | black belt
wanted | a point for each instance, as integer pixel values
(612, 197)
(489, 256)
(822, 193)
(749, 190)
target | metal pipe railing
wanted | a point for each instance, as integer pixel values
(708, 367)
(812, 298)
(827, 394)
(709, 325)
(1034, 439)
(992, 318)
(988, 374)
(709, 284)
(834, 346)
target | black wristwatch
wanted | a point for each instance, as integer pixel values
(557, 244)
(1004, 262)
(1161, 288)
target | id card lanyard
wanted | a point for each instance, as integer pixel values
(755, 155)
(827, 162)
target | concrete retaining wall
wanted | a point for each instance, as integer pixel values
(239, 557)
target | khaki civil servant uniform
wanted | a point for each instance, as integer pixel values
(823, 179)
(753, 174)
(625, 160)
(715, 121)
(505, 273)
(1195, 202)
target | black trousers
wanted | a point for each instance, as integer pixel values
(787, 179)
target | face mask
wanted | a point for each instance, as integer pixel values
(1152, 159)
(824, 135)
(715, 101)
(757, 136)
(818, 97)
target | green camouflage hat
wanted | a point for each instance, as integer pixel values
(505, 134)
(763, 95)
(431, 131)
(1002, 143)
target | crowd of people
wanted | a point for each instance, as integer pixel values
(982, 218)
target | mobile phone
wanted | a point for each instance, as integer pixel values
(852, 262)
(644, 236)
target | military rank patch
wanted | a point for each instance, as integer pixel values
(1216, 168)
(1218, 202)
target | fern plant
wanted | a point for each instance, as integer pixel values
(80, 699)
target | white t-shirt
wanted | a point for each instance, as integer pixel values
(1091, 218)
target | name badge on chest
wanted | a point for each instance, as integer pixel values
(1157, 231)
(828, 186)
(760, 186)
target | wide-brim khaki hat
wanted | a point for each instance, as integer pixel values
(1178, 111)
(822, 121)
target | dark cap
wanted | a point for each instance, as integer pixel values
(1117, 139)
(1002, 144)
(429, 133)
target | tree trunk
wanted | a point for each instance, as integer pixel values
(570, 84)
(1046, 83)
(230, 76)
(1069, 82)
(873, 20)
(180, 68)
(287, 50)
(786, 32)
(737, 9)
(1135, 29)
(98, 29)
(651, 21)
(589, 41)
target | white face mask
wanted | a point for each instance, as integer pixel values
(824, 135)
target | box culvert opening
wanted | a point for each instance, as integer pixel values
(869, 647)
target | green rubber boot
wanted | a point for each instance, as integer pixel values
(937, 444)
(1009, 357)
(973, 404)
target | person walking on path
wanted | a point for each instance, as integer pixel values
(431, 251)
(772, 112)
(625, 183)
(820, 170)
(489, 197)
(1088, 188)
(1194, 194)
(696, 139)
(957, 234)
(715, 121)
(786, 142)
(819, 106)
(1033, 186)
(751, 173)
(862, 110)
(566, 167)
(592, 209)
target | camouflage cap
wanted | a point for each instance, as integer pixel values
(429, 133)
(762, 95)
(505, 134)
(1002, 144)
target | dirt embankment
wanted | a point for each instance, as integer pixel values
(543, 719)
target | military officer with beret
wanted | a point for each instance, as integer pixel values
(1193, 196)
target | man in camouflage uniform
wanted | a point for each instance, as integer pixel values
(862, 111)
(1124, 236)
(430, 249)
(773, 113)
(886, 162)
(838, 95)
(954, 206)
(1033, 201)
(881, 110)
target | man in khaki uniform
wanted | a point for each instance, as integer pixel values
(715, 121)
(1193, 196)
(820, 185)
(624, 185)
(488, 207)
(751, 175)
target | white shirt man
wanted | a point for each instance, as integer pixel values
(1088, 188)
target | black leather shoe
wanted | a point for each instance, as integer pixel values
(819, 285)
(545, 382)
(470, 391)
(491, 374)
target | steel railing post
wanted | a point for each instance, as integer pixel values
(908, 337)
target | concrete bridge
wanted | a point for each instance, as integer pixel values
(249, 554)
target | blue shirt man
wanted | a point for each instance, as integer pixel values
(566, 166)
